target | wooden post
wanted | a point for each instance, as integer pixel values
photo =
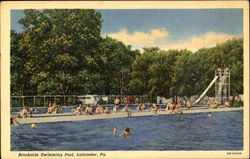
(44, 101)
(23, 100)
(34, 101)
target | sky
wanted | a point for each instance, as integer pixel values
(190, 29)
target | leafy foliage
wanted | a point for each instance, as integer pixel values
(62, 52)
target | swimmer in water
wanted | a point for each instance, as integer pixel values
(209, 114)
(115, 131)
(126, 133)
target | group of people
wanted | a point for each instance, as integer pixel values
(140, 107)
(89, 110)
(174, 108)
(26, 112)
(171, 107)
(127, 132)
(53, 108)
(214, 105)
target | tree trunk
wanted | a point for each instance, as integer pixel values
(64, 93)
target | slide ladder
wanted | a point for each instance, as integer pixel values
(209, 86)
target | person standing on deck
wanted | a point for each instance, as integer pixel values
(117, 101)
(128, 110)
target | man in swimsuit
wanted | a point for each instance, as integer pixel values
(126, 133)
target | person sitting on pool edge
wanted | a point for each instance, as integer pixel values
(178, 109)
(79, 110)
(89, 110)
(142, 107)
(99, 109)
(154, 108)
(106, 111)
(50, 108)
(31, 111)
(126, 133)
(171, 107)
(24, 112)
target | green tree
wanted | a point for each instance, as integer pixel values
(114, 58)
(61, 47)
(18, 72)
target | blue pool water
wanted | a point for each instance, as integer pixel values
(222, 131)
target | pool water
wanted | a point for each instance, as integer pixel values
(222, 131)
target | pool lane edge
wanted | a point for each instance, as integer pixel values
(66, 117)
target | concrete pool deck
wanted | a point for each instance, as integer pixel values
(49, 118)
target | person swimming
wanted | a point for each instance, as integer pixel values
(115, 131)
(126, 133)
(209, 114)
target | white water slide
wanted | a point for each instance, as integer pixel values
(209, 86)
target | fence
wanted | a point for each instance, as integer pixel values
(67, 100)
(42, 100)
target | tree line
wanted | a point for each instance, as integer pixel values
(62, 52)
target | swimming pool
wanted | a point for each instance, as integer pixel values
(222, 131)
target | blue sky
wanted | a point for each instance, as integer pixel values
(166, 28)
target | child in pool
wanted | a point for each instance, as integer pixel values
(126, 133)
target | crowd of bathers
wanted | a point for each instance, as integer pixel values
(27, 112)
(53, 108)
(173, 108)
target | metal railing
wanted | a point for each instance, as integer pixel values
(63, 100)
